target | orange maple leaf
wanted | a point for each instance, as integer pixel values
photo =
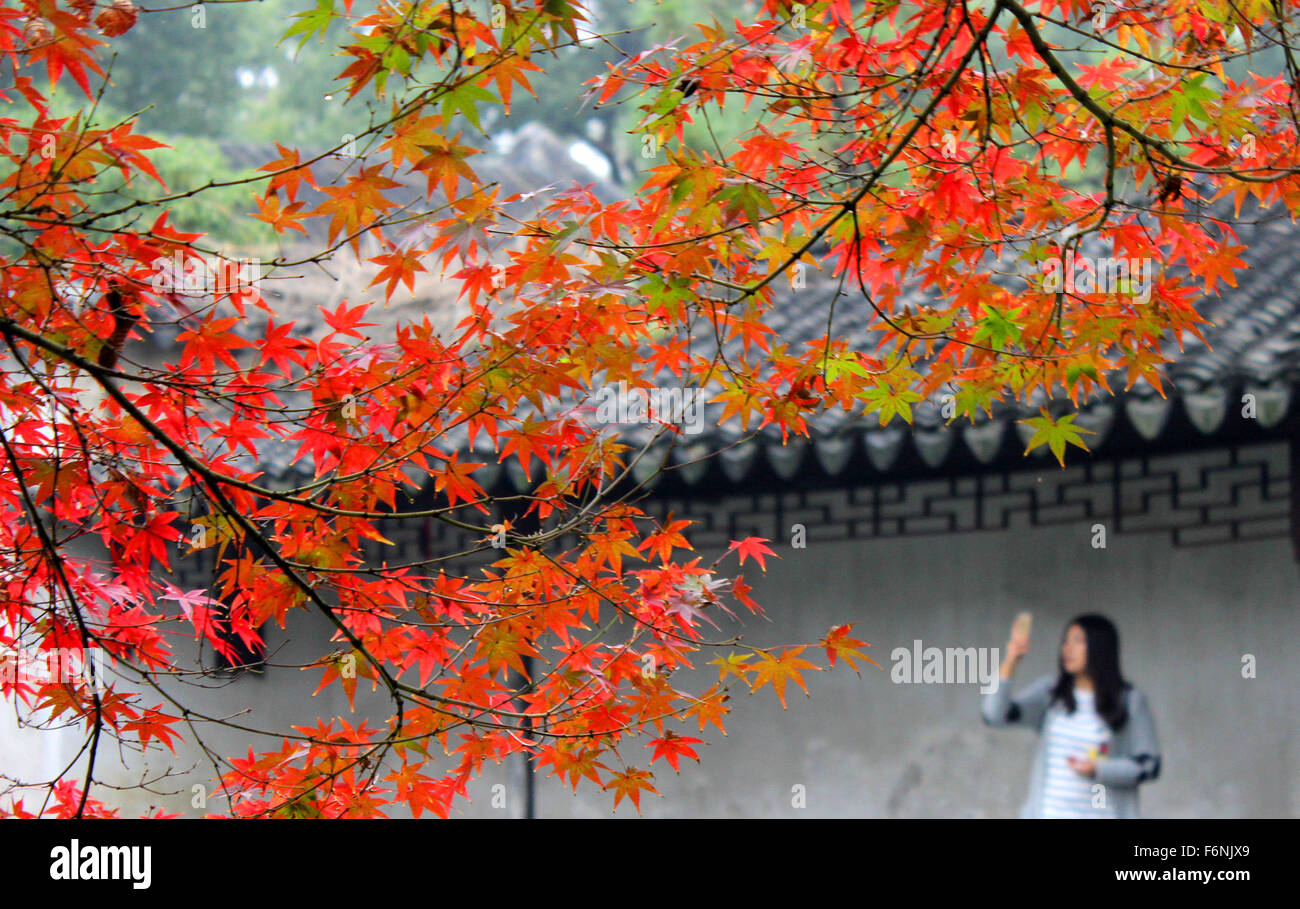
(779, 670)
(631, 783)
(672, 747)
(838, 644)
(752, 546)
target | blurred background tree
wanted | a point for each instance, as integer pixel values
(218, 70)
(211, 75)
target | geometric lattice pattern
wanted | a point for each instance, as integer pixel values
(1208, 497)
(1201, 498)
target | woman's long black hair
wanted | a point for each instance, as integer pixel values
(1103, 668)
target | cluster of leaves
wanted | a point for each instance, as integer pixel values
(905, 148)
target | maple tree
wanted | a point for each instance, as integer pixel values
(927, 156)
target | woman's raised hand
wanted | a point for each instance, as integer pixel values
(1017, 644)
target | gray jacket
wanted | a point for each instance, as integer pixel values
(1133, 758)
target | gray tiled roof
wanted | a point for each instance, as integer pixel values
(1252, 345)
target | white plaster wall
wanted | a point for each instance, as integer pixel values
(870, 748)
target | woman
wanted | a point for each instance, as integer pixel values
(1097, 737)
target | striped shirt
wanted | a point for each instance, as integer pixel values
(1066, 793)
(1132, 759)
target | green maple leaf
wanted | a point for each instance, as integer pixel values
(836, 366)
(1187, 100)
(1072, 373)
(311, 22)
(464, 100)
(1055, 434)
(889, 402)
(969, 400)
(998, 329)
